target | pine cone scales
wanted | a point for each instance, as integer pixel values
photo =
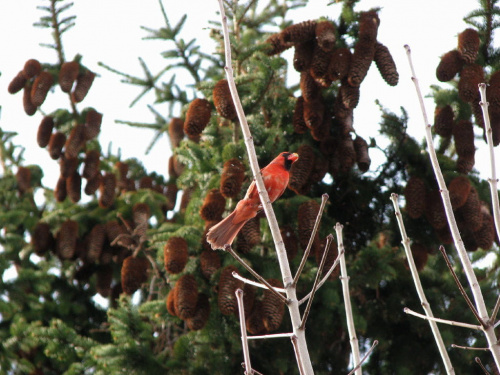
(223, 101)
(471, 211)
(197, 117)
(485, 235)
(325, 35)
(83, 83)
(301, 169)
(45, 131)
(42, 238)
(463, 134)
(251, 232)
(233, 175)
(340, 64)
(443, 121)
(201, 314)
(91, 164)
(450, 64)
(362, 157)
(434, 210)
(468, 45)
(176, 131)
(186, 297)
(175, 254)
(170, 302)
(41, 86)
(209, 263)
(66, 239)
(227, 287)
(32, 68)
(273, 308)
(364, 52)
(68, 75)
(213, 206)
(96, 239)
(277, 44)
(385, 64)
(302, 56)
(300, 32)
(459, 189)
(470, 77)
(308, 211)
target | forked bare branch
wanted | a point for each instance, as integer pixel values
(375, 343)
(259, 285)
(444, 321)
(243, 329)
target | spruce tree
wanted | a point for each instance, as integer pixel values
(137, 238)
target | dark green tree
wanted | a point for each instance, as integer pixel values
(138, 238)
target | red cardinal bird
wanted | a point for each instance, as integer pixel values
(275, 176)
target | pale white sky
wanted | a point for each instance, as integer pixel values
(109, 31)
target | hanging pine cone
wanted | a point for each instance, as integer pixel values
(470, 77)
(471, 211)
(346, 154)
(68, 75)
(175, 254)
(209, 263)
(255, 320)
(362, 158)
(340, 63)
(66, 239)
(309, 87)
(469, 240)
(319, 66)
(17, 83)
(104, 278)
(95, 240)
(91, 164)
(307, 213)
(28, 106)
(32, 68)
(301, 169)
(186, 296)
(74, 187)
(83, 83)
(443, 121)
(299, 125)
(291, 241)
(385, 64)
(41, 86)
(42, 239)
(92, 127)
(459, 189)
(314, 112)
(463, 134)
(348, 95)
(176, 131)
(368, 26)
(364, 52)
(170, 302)
(67, 166)
(107, 190)
(75, 141)
(465, 164)
(23, 179)
(134, 273)
(325, 35)
(213, 206)
(277, 44)
(485, 236)
(420, 255)
(300, 32)
(251, 232)
(434, 210)
(415, 195)
(273, 308)
(302, 56)
(45, 131)
(197, 117)
(468, 45)
(450, 64)
(201, 314)
(233, 175)
(93, 184)
(223, 101)
(227, 287)
(60, 192)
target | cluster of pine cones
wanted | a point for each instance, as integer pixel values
(474, 220)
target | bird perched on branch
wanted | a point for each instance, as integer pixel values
(275, 176)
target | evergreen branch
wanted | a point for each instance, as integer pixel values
(444, 321)
(420, 290)
(478, 361)
(299, 339)
(138, 124)
(493, 180)
(329, 240)
(243, 329)
(375, 343)
(230, 250)
(459, 245)
(344, 278)
(460, 286)
(324, 199)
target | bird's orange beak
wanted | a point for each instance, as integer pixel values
(293, 157)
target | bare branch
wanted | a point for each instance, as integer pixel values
(324, 199)
(243, 329)
(273, 336)
(478, 361)
(329, 240)
(259, 285)
(460, 287)
(375, 343)
(230, 250)
(444, 321)
(495, 311)
(468, 347)
(344, 278)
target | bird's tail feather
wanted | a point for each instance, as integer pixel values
(224, 232)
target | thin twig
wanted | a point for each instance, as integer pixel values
(230, 250)
(259, 285)
(273, 336)
(444, 321)
(468, 347)
(243, 329)
(324, 199)
(344, 278)
(329, 240)
(419, 288)
(493, 181)
(495, 311)
(375, 343)
(478, 361)
(325, 278)
(460, 287)
(297, 355)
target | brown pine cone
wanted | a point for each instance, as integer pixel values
(83, 83)
(213, 206)
(307, 213)
(201, 314)
(468, 45)
(32, 68)
(68, 74)
(66, 239)
(23, 179)
(60, 192)
(176, 131)
(277, 44)
(300, 32)
(325, 35)
(41, 86)
(273, 308)
(209, 263)
(459, 189)
(463, 134)
(470, 77)
(364, 52)
(17, 83)
(443, 121)
(45, 131)
(385, 64)
(91, 164)
(362, 157)
(226, 299)
(450, 64)
(95, 240)
(302, 56)
(233, 175)
(340, 63)
(223, 101)
(197, 117)
(42, 239)
(434, 210)
(290, 240)
(134, 273)
(93, 121)
(175, 254)
(74, 187)
(28, 106)
(107, 190)
(301, 169)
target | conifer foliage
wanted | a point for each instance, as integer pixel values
(137, 239)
